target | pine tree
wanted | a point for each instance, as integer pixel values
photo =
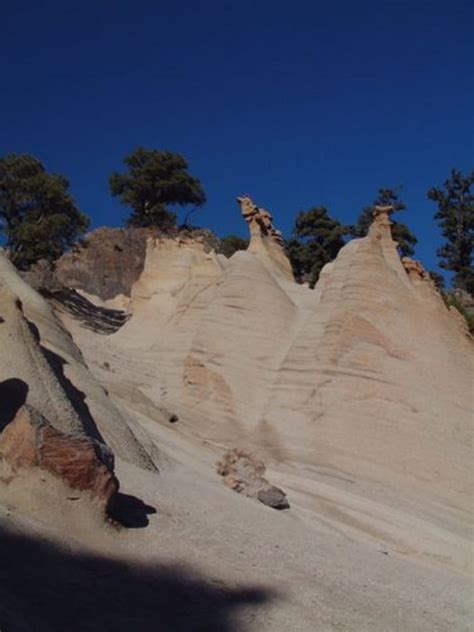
(317, 240)
(455, 217)
(154, 180)
(38, 215)
(230, 244)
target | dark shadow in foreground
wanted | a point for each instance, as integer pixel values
(47, 589)
(13, 393)
(130, 511)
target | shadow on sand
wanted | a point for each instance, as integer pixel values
(130, 512)
(47, 589)
(13, 393)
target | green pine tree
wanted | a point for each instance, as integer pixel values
(153, 181)
(455, 217)
(230, 244)
(317, 238)
(38, 215)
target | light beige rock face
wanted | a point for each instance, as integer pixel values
(357, 394)
(377, 380)
(368, 374)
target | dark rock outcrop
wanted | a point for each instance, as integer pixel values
(119, 255)
(273, 497)
(42, 276)
(101, 320)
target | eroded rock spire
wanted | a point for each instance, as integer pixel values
(265, 239)
(259, 220)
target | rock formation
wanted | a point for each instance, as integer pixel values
(69, 422)
(357, 395)
(260, 222)
(414, 269)
(341, 378)
(265, 240)
(119, 254)
(43, 366)
(244, 474)
(79, 461)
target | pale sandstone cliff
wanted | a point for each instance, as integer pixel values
(368, 374)
(356, 396)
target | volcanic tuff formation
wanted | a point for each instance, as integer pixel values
(356, 395)
(360, 375)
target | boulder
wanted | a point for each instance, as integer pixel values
(273, 497)
(243, 473)
(80, 462)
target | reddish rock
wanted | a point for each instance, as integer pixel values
(81, 462)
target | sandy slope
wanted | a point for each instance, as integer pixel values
(212, 560)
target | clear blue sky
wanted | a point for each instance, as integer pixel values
(296, 103)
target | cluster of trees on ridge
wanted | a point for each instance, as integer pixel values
(40, 219)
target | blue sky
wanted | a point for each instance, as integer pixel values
(294, 103)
